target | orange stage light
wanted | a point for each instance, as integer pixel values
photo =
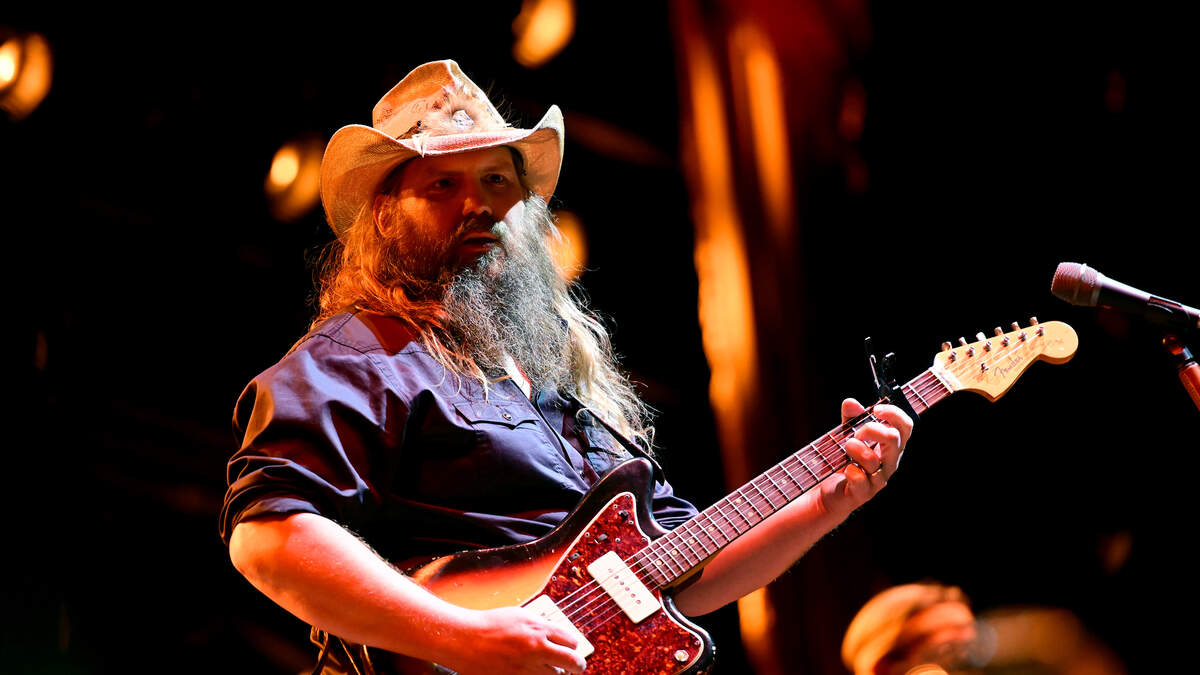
(25, 73)
(764, 90)
(294, 180)
(543, 29)
(569, 248)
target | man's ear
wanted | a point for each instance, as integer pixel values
(379, 209)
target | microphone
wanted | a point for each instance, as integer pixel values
(1084, 286)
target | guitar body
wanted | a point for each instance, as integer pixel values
(613, 516)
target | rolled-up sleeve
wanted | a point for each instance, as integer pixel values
(316, 430)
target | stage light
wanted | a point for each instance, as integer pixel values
(10, 57)
(284, 167)
(294, 179)
(569, 248)
(543, 29)
(25, 72)
(765, 97)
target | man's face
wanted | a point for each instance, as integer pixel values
(449, 210)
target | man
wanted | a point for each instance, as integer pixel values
(452, 394)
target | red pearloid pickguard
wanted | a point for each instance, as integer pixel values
(621, 646)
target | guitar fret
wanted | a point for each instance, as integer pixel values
(751, 503)
(735, 503)
(824, 459)
(754, 484)
(781, 491)
(703, 540)
(721, 509)
(783, 465)
(664, 562)
(688, 544)
(674, 550)
(713, 526)
(803, 463)
(917, 394)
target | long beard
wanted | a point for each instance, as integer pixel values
(503, 302)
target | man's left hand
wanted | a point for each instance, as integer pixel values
(874, 453)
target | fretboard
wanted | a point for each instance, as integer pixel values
(675, 554)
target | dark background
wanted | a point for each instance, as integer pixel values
(148, 283)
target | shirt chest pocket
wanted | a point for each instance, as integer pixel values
(499, 449)
(482, 414)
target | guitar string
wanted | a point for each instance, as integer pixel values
(929, 384)
(821, 448)
(922, 385)
(836, 461)
(593, 621)
(642, 571)
(832, 441)
(828, 442)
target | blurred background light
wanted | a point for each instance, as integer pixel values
(294, 180)
(10, 56)
(25, 72)
(569, 249)
(756, 617)
(764, 92)
(542, 30)
(610, 140)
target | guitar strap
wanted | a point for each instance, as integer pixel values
(630, 446)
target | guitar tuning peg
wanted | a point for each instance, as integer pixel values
(962, 341)
(1033, 321)
(980, 336)
(945, 346)
(999, 332)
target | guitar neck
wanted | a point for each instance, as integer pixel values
(688, 546)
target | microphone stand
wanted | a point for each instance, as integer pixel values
(1185, 363)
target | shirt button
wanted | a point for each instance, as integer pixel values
(507, 416)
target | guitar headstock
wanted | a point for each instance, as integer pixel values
(990, 366)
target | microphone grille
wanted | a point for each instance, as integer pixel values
(1075, 283)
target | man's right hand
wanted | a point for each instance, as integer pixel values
(514, 640)
(328, 578)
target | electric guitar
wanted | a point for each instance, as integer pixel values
(606, 573)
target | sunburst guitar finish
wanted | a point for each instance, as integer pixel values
(613, 517)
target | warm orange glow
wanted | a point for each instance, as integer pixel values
(284, 167)
(543, 29)
(10, 62)
(853, 112)
(569, 250)
(1115, 550)
(725, 304)
(768, 123)
(294, 181)
(927, 669)
(25, 73)
(756, 616)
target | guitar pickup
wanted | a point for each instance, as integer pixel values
(623, 586)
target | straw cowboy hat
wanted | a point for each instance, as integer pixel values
(434, 110)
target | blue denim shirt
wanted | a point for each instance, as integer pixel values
(359, 424)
